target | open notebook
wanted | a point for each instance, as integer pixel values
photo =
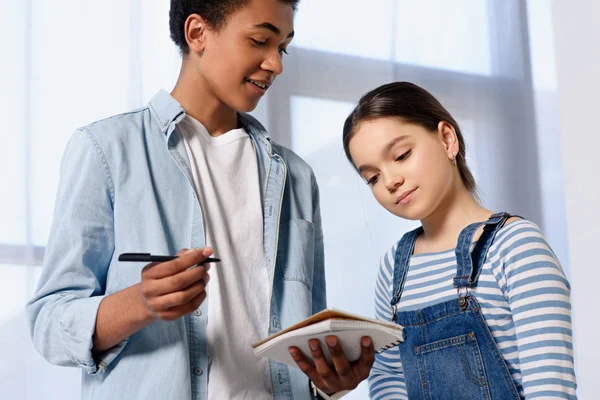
(349, 329)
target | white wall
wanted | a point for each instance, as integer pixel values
(578, 67)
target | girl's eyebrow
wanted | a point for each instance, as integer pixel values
(386, 149)
(364, 167)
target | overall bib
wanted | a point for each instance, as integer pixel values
(449, 352)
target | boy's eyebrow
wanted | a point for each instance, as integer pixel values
(272, 28)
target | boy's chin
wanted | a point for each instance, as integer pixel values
(249, 108)
(245, 106)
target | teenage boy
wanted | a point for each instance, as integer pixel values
(190, 173)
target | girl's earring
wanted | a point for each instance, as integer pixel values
(454, 160)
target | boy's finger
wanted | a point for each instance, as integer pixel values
(305, 365)
(324, 370)
(340, 362)
(184, 261)
(367, 357)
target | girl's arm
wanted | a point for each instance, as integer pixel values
(538, 292)
(386, 380)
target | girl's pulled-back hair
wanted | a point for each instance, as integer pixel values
(411, 104)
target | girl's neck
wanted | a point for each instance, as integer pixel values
(443, 226)
(200, 103)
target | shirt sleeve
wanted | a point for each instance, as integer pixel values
(62, 312)
(533, 282)
(386, 381)
(319, 291)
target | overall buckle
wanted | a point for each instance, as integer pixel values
(462, 300)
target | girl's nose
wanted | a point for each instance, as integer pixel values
(393, 183)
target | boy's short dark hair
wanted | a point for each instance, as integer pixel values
(213, 11)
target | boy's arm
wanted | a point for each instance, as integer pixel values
(319, 291)
(168, 291)
(72, 322)
(62, 312)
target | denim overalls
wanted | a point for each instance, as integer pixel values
(449, 352)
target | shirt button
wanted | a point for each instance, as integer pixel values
(198, 371)
(198, 312)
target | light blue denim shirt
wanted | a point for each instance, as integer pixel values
(126, 186)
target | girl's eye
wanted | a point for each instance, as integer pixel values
(283, 51)
(403, 156)
(372, 180)
(258, 42)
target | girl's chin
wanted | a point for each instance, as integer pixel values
(412, 213)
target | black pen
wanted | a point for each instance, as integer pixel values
(147, 257)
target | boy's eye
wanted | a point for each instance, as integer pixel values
(403, 156)
(372, 180)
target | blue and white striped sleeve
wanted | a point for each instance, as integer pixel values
(386, 380)
(537, 290)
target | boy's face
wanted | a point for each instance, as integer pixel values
(241, 60)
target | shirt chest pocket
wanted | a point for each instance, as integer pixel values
(296, 251)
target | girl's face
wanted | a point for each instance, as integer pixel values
(408, 168)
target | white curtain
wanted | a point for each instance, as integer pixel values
(66, 63)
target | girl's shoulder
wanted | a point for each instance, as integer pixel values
(517, 232)
(517, 246)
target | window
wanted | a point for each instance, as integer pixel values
(476, 57)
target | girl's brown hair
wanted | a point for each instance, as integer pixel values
(412, 104)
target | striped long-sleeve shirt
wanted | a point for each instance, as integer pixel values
(524, 297)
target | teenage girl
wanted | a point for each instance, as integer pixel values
(483, 299)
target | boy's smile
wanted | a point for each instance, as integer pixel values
(239, 62)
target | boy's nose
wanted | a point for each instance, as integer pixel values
(273, 64)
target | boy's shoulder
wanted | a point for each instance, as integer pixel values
(118, 124)
(156, 116)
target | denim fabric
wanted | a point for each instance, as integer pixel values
(126, 186)
(449, 352)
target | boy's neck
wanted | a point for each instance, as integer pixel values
(198, 101)
(443, 226)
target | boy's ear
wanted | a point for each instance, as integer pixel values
(195, 33)
(448, 136)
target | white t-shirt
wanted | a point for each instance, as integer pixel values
(225, 172)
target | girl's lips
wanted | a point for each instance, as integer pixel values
(405, 196)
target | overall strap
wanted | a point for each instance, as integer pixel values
(404, 251)
(469, 264)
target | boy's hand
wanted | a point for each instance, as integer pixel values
(173, 289)
(343, 375)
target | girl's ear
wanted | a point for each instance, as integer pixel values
(195, 29)
(448, 136)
